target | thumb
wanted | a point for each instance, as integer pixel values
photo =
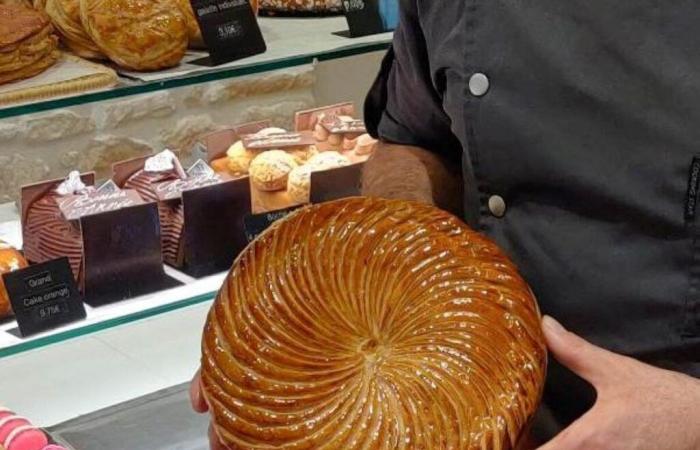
(586, 360)
(196, 397)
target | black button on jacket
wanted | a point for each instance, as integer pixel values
(588, 131)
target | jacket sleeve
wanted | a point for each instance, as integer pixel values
(403, 106)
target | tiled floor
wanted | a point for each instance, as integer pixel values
(60, 382)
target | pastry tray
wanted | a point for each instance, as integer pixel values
(163, 420)
(69, 76)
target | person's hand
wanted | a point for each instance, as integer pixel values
(638, 407)
(200, 406)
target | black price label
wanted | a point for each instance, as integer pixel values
(229, 28)
(44, 296)
(257, 223)
(371, 16)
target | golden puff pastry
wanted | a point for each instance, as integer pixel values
(10, 260)
(65, 15)
(270, 169)
(137, 34)
(28, 52)
(372, 324)
(18, 23)
(33, 69)
(239, 158)
(193, 31)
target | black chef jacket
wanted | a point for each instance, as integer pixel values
(582, 119)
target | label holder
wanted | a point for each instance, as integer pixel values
(44, 296)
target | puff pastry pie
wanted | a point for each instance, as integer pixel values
(372, 324)
(193, 31)
(65, 15)
(137, 34)
(27, 43)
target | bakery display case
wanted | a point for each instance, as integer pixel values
(88, 109)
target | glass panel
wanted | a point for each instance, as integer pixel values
(109, 316)
(291, 42)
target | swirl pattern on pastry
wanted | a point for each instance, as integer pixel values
(372, 324)
(137, 34)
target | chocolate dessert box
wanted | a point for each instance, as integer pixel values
(110, 236)
(201, 214)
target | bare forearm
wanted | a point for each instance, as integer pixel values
(412, 173)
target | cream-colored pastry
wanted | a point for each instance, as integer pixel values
(328, 160)
(365, 145)
(239, 158)
(220, 165)
(349, 144)
(320, 133)
(270, 169)
(299, 183)
(302, 155)
(335, 139)
(137, 34)
(270, 130)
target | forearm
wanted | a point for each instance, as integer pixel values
(412, 173)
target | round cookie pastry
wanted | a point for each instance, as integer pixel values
(137, 34)
(65, 15)
(239, 158)
(373, 324)
(365, 145)
(10, 260)
(270, 169)
(299, 182)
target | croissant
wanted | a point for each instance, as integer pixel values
(372, 324)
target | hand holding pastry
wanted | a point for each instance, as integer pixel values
(639, 407)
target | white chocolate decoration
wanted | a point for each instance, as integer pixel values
(72, 185)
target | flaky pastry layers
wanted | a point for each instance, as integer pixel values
(65, 15)
(18, 22)
(372, 324)
(137, 34)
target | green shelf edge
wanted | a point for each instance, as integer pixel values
(204, 77)
(105, 325)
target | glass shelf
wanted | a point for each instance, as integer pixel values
(192, 292)
(290, 42)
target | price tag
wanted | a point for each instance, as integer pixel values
(229, 28)
(255, 224)
(371, 16)
(44, 296)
